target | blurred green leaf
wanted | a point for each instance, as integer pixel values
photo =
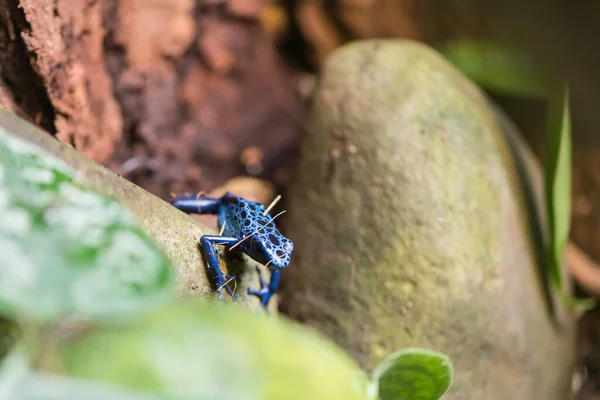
(496, 66)
(37, 386)
(19, 382)
(67, 249)
(413, 374)
(216, 350)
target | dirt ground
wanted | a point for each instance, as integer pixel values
(179, 95)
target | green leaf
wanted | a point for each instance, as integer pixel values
(67, 250)
(413, 374)
(557, 168)
(216, 350)
(496, 66)
(19, 382)
(54, 387)
(558, 182)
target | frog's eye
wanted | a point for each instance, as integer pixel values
(288, 247)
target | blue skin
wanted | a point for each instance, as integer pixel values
(242, 218)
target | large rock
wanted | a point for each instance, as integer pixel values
(413, 227)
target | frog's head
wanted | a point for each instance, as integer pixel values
(274, 249)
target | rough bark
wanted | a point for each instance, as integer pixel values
(168, 93)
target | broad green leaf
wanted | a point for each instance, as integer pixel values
(496, 66)
(216, 350)
(413, 374)
(558, 182)
(67, 250)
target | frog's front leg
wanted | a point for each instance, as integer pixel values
(191, 204)
(208, 243)
(267, 290)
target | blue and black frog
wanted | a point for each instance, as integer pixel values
(246, 227)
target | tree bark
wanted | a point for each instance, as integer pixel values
(167, 92)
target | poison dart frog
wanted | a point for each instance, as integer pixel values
(246, 227)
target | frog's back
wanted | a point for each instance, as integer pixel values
(243, 218)
(248, 219)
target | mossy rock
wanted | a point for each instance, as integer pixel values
(413, 227)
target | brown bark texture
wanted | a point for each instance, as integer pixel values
(176, 95)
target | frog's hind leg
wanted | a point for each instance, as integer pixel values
(267, 290)
(208, 243)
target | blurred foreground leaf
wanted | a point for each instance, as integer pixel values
(67, 250)
(413, 374)
(37, 386)
(213, 350)
(19, 382)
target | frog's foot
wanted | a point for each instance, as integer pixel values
(229, 278)
(267, 290)
(223, 284)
